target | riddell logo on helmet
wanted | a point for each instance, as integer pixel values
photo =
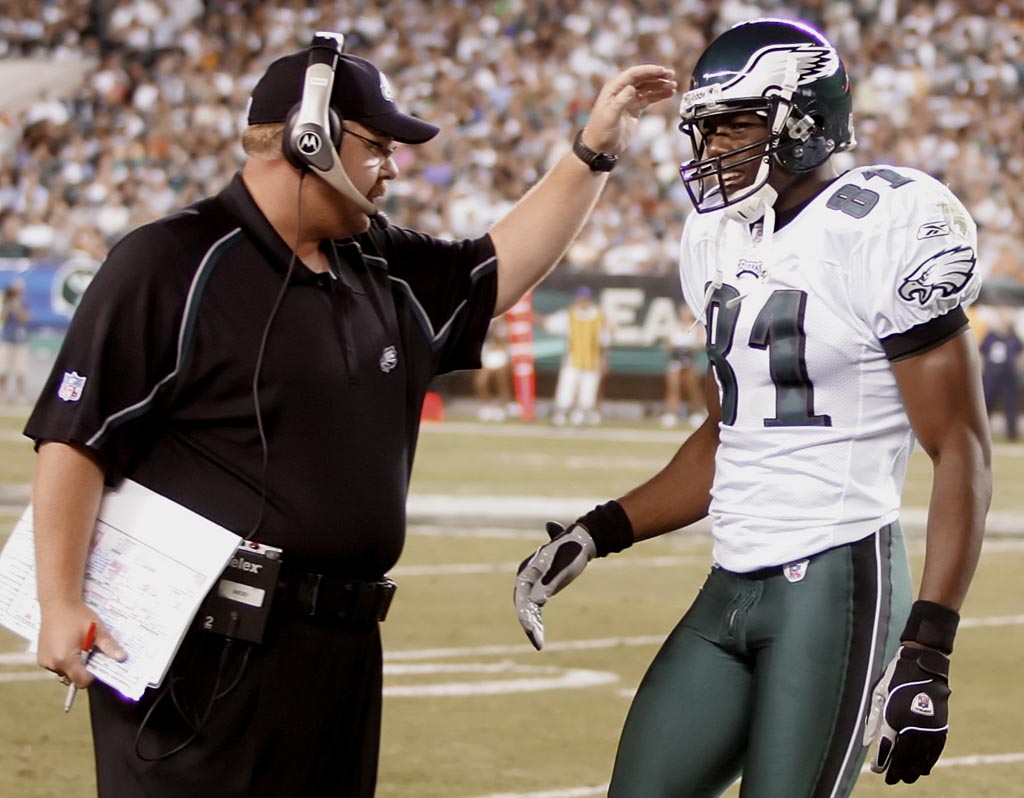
(701, 96)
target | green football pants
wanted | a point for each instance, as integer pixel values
(768, 675)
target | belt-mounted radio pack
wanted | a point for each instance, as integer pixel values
(239, 604)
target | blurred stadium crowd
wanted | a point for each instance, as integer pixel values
(154, 121)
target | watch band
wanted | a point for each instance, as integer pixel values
(597, 161)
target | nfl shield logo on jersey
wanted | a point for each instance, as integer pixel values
(795, 571)
(388, 359)
(71, 386)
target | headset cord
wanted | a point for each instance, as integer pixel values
(264, 449)
(198, 723)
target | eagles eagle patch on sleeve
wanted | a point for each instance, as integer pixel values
(946, 272)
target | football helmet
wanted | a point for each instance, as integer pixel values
(791, 76)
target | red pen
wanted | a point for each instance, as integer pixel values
(90, 638)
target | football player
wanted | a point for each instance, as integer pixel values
(836, 335)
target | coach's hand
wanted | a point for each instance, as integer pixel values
(548, 570)
(621, 102)
(909, 712)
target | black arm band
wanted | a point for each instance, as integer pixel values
(932, 625)
(609, 526)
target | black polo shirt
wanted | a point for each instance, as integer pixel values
(167, 338)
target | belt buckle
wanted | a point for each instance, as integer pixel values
(388, 588)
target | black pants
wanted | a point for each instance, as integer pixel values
(302, 720)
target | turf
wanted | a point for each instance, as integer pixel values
(459, 721)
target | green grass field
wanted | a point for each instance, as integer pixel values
(471, 711)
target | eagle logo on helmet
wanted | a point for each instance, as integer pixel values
(947, 272)
(813, 62)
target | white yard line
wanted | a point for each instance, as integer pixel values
(667, 561)
(485, 510)
(603, 433)
(602, 789)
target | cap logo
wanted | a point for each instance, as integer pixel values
(309, 143)
(386, 91)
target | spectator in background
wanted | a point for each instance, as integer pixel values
(1003, 356)
(579, 378)
(950, 69)
(687, 362)
(492, 382)
(14, 317)
(10, 243)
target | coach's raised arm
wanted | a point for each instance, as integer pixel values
(535, 234)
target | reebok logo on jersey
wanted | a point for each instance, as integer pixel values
(922, 705)
(946, 272)
(388, 359)
(795, 571)
(71, 386)
(932, 230)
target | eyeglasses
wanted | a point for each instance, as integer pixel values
(383, 151)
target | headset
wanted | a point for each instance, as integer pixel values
(312, 131)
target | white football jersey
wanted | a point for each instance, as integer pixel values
(814, 438)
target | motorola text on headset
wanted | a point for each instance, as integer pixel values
(313, 129)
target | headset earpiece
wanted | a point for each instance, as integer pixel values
(291, 151)
(307, 144)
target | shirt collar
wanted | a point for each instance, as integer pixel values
(278, 253)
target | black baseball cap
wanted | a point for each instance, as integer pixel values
(361, 93)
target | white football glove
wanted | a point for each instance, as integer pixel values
(553, 566)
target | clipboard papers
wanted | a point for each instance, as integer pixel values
(151, 563)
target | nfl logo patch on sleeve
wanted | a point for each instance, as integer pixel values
(71, 386)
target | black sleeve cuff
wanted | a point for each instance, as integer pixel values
(918, 340)
(932, 625)
(609, 526)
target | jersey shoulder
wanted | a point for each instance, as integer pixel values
(916, 256)
(177, 242)
(892, 198)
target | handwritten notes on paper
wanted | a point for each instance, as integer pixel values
(151, 562)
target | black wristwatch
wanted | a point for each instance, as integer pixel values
(597, 161)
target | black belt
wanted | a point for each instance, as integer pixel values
(312, 595)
